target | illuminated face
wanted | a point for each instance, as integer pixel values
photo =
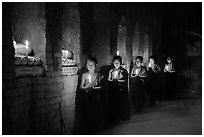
(169, 60)
(151, 61)
(138, 63)
(90, 65)
(116, 63)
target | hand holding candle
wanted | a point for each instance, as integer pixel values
(136, 71)
(90, 84)
(115, 74)
(167, 67)
(89, 78)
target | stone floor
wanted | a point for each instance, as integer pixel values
(178, 117)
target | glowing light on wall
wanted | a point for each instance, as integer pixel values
(26, 43)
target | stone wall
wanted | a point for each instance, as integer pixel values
(43, 105)
(101, 38)
(35, 105)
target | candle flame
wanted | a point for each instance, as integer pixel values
(26, 43)
(167, 67)
(89, 77)
(137, 71)
(118, 53)
(115, 74)
(66, 52)
(14, 42)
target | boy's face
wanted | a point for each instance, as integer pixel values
(169, 60)
(116, 63)
(138, 63)
(151, 61)
(90, 65)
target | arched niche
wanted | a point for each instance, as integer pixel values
(28, 33)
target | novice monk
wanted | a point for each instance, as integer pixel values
(91, 85)
(138, 75)
(170, 79)
(119, 103)
(152, 80)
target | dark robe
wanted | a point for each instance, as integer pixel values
(119, 108)
(92, 107)
(153, 75)
(170, 81)
(138, 87)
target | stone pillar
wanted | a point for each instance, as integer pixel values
(129, 45)
(121, 39)
(86, 31)
(71, 30)
(146, 46)
(101, 43)
(54, 14)
(7, 67)
(136, 41)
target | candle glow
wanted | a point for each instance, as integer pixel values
(26, 43)
(66, 53)
(14, 43)
(118, 53)
(89, 78)
(137, 71)
(115, 74)
(167, 67)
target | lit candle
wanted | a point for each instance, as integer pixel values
(26, 43)
(89, 78)
(167, 67)
(118, 53)
(137, 71)
(66, 53)
(115, 74)
(14, 43)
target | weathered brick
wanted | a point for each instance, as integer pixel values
(41, 80)
(18, 101)
(52, 107)
(41, 102)
(24, 82)
(41, 109)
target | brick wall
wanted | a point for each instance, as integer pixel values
(34, 105)
(191, 76)
(43, 105)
